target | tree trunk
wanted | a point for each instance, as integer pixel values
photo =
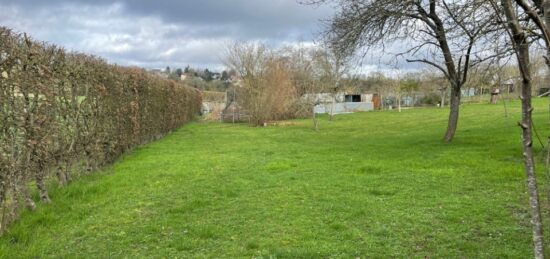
(9, 212)
(68, 177)
(315, 120)
(443, 93)
(546, 10)
(41, 185)
(3, 192)
(548, 172)
(61, 176)
(526, 126)
(21, 188)
(453, 114)
(399, 102)
(521, 47)
(494, 98)
(332, 108)
(480, 99)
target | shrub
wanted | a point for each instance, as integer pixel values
(59, 110)
(267, 90)
(430, 99)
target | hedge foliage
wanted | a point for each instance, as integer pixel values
(63, 113)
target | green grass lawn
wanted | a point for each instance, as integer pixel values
(377, 184)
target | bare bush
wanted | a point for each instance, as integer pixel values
(267, 91)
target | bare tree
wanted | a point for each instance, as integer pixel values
(444, 34)
(520, 40)
(538, 12)
(267, 92)
(331, 67)
(304, 67)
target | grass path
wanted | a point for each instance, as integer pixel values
(378, 184)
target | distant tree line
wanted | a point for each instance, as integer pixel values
(202, 79)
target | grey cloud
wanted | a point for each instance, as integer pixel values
(153, 33)
(170, 32)
(248, 19)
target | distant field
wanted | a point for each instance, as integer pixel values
(377, 184)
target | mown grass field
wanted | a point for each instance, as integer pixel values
(378, 184)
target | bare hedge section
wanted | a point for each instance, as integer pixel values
(63, 113)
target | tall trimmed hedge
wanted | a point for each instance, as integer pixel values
(62, 113)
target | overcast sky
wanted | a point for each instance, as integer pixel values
(155, 34)
(175, 33)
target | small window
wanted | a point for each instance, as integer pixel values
(353, 98)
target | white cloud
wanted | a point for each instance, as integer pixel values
(167, 33)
